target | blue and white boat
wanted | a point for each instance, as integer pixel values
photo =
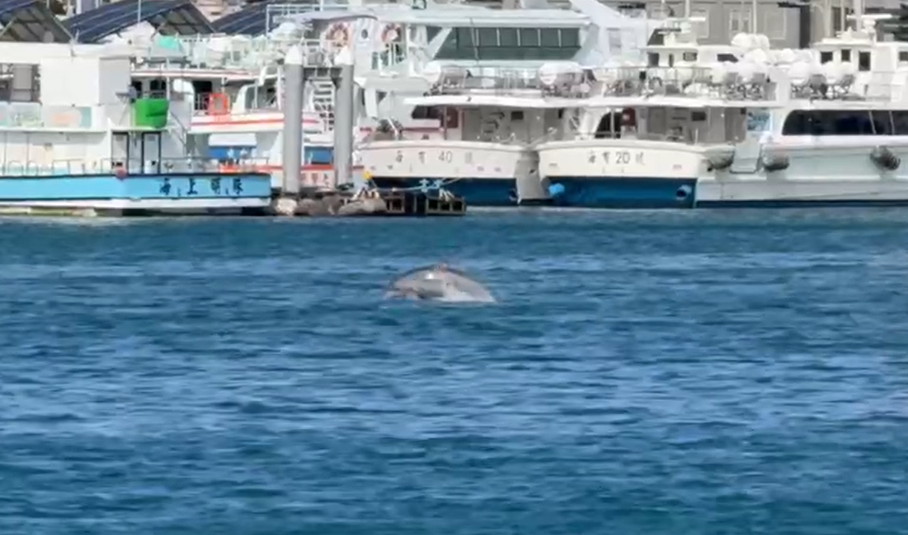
(75, 139)
(490, 84)
(754, 127)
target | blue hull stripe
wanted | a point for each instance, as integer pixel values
(135, 186)
(805, 203)
(624, 193)
(475, 191)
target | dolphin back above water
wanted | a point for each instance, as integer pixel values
(439, 283)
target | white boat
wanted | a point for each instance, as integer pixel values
(822, 126)
(75, 139)
(494, 83)
(238, 87)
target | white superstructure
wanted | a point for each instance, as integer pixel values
(822, 125)
(497, 101)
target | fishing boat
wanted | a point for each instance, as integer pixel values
(773, 128)
(76, 139)
(496, 85)
(238, 89)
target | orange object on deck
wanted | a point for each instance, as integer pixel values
(218, 104)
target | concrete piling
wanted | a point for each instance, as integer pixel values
(344, 106)
(294, 79)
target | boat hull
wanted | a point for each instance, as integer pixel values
(484, 173)
(623, 193)
(482, 192)
(137, 194)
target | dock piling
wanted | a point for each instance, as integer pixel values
(293, 131)
(343, 124)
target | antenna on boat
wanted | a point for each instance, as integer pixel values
(753, 15)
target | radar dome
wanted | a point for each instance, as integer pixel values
(742, 40)
(433, 72)
(553, 73)
(799, 72)
(787, 56)
(832, 72)
(718, 72)
(761, 41)
(757, 55)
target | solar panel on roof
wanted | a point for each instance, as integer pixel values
(31, 21)
(96, 24)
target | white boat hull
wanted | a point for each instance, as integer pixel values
(485, 174)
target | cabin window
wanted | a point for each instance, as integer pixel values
(516, 116)
(570, 38)
(671, 60)
(863, 61)
(510, 44)
(903, 56)
(900, 122)
(432, 32)
(426, 112)
(698, 116)
(653, 59)
(549, 37)
(488, 37)
(845, 123)
(825, 57)
(731, 58)
(846, 55)
(529, 37)
(507, 37)
(882, 123)
(157, 88)
(464, 37)
(689, 56)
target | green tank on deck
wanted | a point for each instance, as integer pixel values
(151, 112)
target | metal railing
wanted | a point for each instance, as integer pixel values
(132, 166)
(500, 82)
(689, 82)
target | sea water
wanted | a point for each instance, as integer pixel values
(643, 373)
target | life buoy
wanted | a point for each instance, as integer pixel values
(218, 104)
(390, 33)
(337, 36)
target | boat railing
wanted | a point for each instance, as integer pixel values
(671, 137)
(275, 14)
(131, 166)
(845, 87)
(502, 81)
(246, 54)
(684, 81)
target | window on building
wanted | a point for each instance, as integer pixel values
(839, 21)
(701, 28)
(739, 22)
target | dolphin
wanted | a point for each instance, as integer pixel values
(438, 282)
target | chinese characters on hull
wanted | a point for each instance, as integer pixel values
(167, 188)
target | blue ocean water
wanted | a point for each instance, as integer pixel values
(726, 372)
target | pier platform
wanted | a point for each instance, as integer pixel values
(371, 203)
